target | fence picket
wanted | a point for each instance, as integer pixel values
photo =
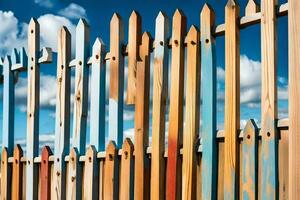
(160, 93)
(251, 8)
(5, 175)
(269, 101)
(17, 174)
(141, 126)
(134, 40)
(209, 116)
(192, 109)
(62, 123)
(176, 107)
(97, 110)
(250, 164)
(91, 174)
(33, 101)
(232, 100)
(74, 176)
(45, 175)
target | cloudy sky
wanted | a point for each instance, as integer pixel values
(52, 14)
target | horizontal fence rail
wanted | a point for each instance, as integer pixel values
(193, 162)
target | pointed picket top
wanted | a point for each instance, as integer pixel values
(161, 28)
(134, 16)
(146, 37)
(161, 16)
(91, 153)
(145, 46)
(250, 130)
(18, 151)
(82, 23)
(111, 148)
(128, 145)
(192, 34)
(7, 61)
(98, 45)
(231, 4)
(207, 11)
(116, 19)
(251, 8)
(178, 14)
(65, 31)
(33, 23)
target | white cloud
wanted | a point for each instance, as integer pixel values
(73, 11)
(44, 3)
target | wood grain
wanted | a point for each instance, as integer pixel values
(5, 176)
(74, 180)
(251, 8)
(91, 175)
(17, 174)
(45, 174)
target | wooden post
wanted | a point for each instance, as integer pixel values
(17, 174)
(176, 107)
(134, 40)
(141, 136)
(74, 181)
(250, 161)
(33, 101)
(91, 174)
(127, 171)
(62, 117)
(5, 175)
(192, 112)
(209, 104)
(251, 8)
(45, 174)
(160, 93)
(232, 100)
(111, 177)
(294, 96)
(97, 110)
(116, 80)
(269, 133)
(81, 86)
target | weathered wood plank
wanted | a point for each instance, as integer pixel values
(91, 175)
(294, 95)
(251, 8)
(62, 117)
(209, 159)
(74, 180)
(250, 161)
(134, 40)
(160, 93)
(116, 90)
(45, 174)
(81, 86)
(176, 107)
(127, 171)
(269, 101)
(192, 112)
(17, 174)
(141, 126)
(33, 101)
(5, 175)
(232, 100)
(97, 107)
(111, 177)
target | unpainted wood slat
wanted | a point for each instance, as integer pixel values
(74, 181)
(17, 173)
(251, 8)
(91, 175)
(45, 174)
(5, 175)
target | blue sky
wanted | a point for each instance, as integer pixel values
(51, 14)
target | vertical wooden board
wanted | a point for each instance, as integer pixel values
(81, 86)
(8, 105)
(45, 175)
(97, 107)
(192, 104)
(199, 177)
(251, 8)
(91, 175)
(127, 171)
(62, 123)
(209, 104)
(294, 95)
(116, 90)
(269, 101)
(141, 125)
(134, 40)
(5, 175)
(176, 107)
(74, 180)
(17, 174)
(111, 177)
(33, 101)
(221, 155)
(232, 100)
(160, 93)
(283, 165)
(101, 178)
(250, 161)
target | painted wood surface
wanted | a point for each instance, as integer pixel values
(111, 177)
(91, 175)
(45, 174)
(134, 40)
(17, 174)
(116, 85)
(208, 88)
(251, 8)
(74, 176)
(141, 124)
(250, 162)
(127, 171)
(160, 94)
(294, 95)
(33, 101)
(5, 175)
(192, 112)
(176, 107)
(97, 107)
(62, 117)
(269, 101)
(232, 100)
(81, 87)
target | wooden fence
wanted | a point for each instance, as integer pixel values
(249, 164)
